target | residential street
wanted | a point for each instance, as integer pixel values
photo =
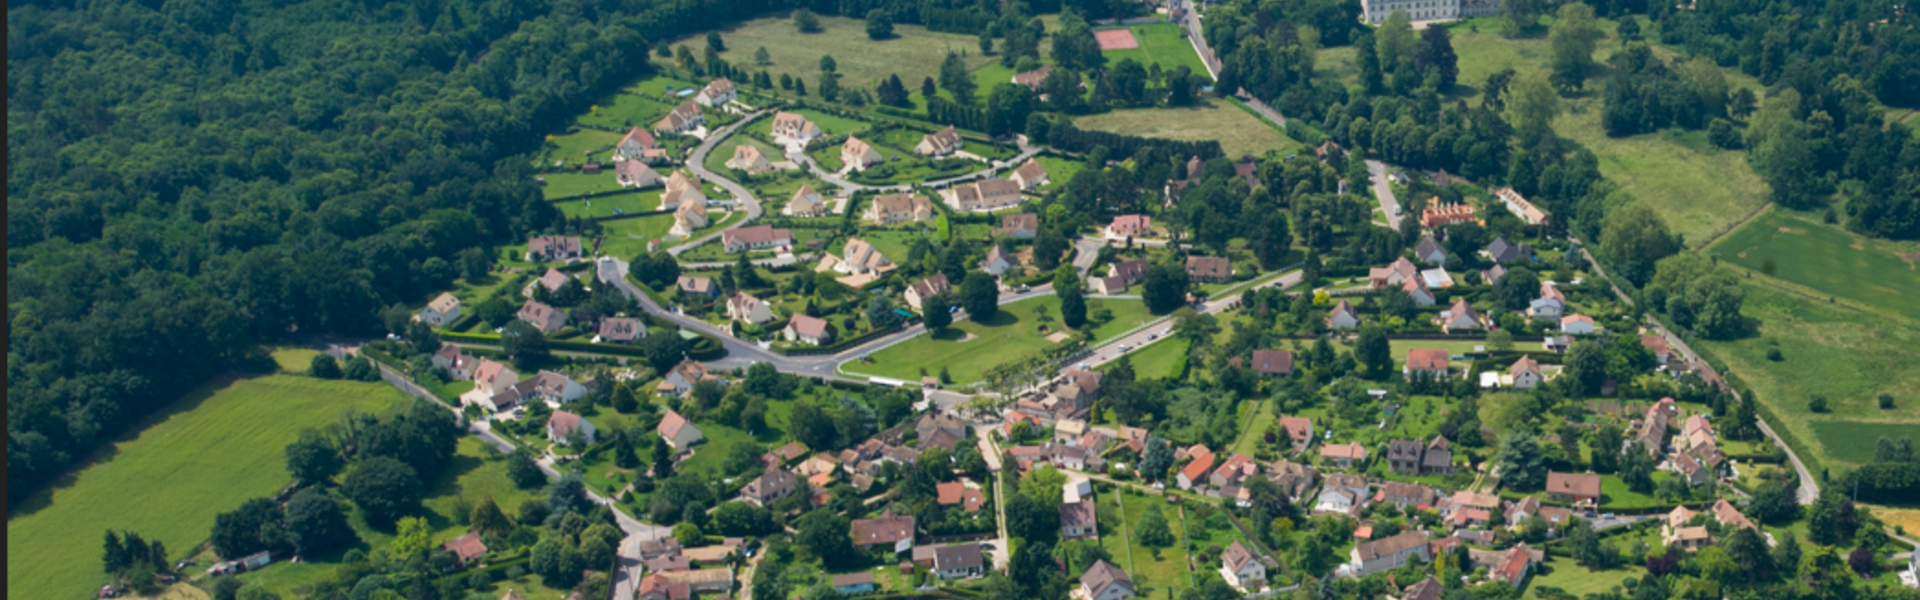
(1150, 333)
(1026, 152)
(697, 164)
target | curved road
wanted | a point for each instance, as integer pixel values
(1026, 152)
(697, 164)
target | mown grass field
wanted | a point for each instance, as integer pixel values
(638, 202)
(1239, 133)
(1164, 43)
(913, 53)
(637, 105)
(1169, 570)
(1159, 360)
(205, 454)
(1826, 259)
(1059, 170)
(579, 147)
(1010, 332)
(1846, 355)
(1578, 580)
(567, 185)
(1854, 442)
(627, 238)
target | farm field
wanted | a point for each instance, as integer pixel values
(1826, 259)
(1239, 133)
(604, 206)
(1846, 355)
(913, 53)
(1164, 43)
(1009, 333)
(206, 454)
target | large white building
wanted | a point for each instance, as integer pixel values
(1376, 11)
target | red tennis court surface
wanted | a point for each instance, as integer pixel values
(1116, 39)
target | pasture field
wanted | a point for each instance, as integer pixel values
(1010, 332)
(567, 185)
(1826, 259)
(1239, 133)
(1164, 43)
(1849, 356)
(604, 206)
(1700, 190)
(204, 455)
(913, 53)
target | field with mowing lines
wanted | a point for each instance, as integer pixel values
(1826, 259)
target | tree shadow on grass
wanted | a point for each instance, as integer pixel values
(999, 318)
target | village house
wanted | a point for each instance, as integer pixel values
(769, 487)
(1430, 252)
(443, 310)
(1576, 325)
(1524, 374)
(1410, 457)
(1273, 363)
(1127, 226)
(749, 158)
(553, 247)
(1231, 472)
(1432, 361)
(808, 330)
(805, 203)
(1021, 226)
(918, 293)
(1196, 470)
(939, 143)
(1657, 346)
(1403, 495)
(1514, 564)
(1426, 589)
(1130, 272)
(1031, 175)
(459, 365)
(1209, 269)
(1345, 455)
(1299, 430)
(694, 581)
(1395, 274)
(745, 307)
(957, 561)
(1077, 521)
(794, 126)
(1103, 581)
(1107, 286)
(1492, 276)
(859, 155)
(682, 190)
(1292, 477)
(894, 209)
(683, 119)
(633, 173)
(888, 531)
(757, 237)
(544, 318)
(1550, 305)
(634, 146)
(553, 388)
(678, 432)
(1460, 317)
(984, 195)
(957, 493)
(562, 424)
(1556, 343)
(552, 280)
(467, 549)
(861, 258)
(1341, 495)
(998, 261)
(620, 330)
(1387, 553)
(1343, 317)
(1242, 568)
(717, 93)
(1033, 79)
(492, 378)
(1502, 252)
(1518, 204)
(697, 286)
(1573, 487)
(1438, 215)
(1652, 431)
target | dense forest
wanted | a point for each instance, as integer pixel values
(188, 180)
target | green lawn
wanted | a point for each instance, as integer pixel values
(1826, 259)
(566, 185)
(584, 146)
(1059, 170)
(203, 455)
(1846, 355)
(603, 207)
(1169, 571)
(1165, 43)
(1239, 133)
(830, 124)
(893, 244)
(1253, 429)
(1159, 360)
(294, 361)
(1580, 581)
(913, 53)
(637, 105)
(1009, 333)
(1615, 495)
(627, 238)
(717, 159)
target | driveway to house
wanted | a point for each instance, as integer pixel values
(1085, 251)
(697, 164)
(1389, 206)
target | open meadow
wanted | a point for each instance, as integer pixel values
(206, 454)
(1848, 356)
(1009, 333)
(1164, 43)
(1239, 132)
(1827, 260)
(913, 53)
